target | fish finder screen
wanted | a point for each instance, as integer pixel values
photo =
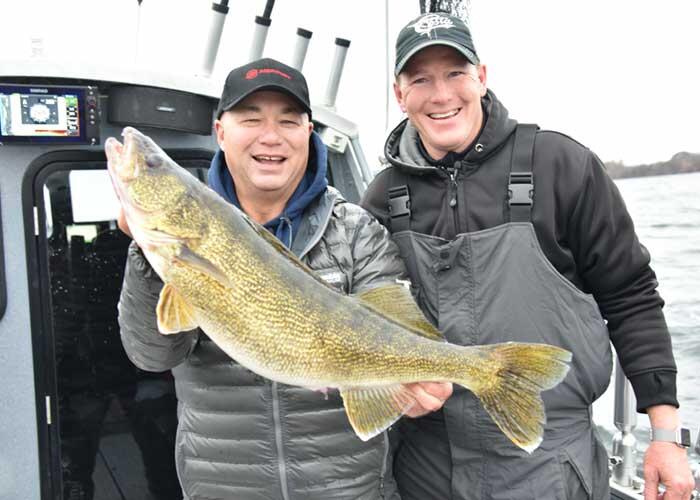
(29, 113)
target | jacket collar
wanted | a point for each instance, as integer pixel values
(317, 217)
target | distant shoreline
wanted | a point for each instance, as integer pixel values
(680, 163)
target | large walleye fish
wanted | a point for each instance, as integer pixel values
(261, 305)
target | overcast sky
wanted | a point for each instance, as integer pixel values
(619, 76)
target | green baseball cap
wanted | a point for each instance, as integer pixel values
(434, 28)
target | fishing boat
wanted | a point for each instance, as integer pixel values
(78, 420)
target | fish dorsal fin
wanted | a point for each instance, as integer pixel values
(283, 250)
(396, 303)
(173, 313)
(371, 410)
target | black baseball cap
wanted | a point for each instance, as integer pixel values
(263, 74)
(434, 28)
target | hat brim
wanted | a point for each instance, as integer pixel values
(468, 54)
(266, 86)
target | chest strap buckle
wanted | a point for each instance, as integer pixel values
(520, 189)
(399, 202)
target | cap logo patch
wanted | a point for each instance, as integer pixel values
(430, 22)
(254, 73)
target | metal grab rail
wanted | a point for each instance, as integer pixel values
(3, 287)
(696, 470)
(624, 446)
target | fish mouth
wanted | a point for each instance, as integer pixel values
(122, 161)
(123, 168)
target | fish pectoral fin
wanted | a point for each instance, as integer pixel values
(173, 313)
(149, 238)
(371, 410)
(189, 258)
(396, 303)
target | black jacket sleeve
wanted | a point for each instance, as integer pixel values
(614, 267)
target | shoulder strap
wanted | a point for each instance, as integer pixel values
(398, 201)
(521, 187)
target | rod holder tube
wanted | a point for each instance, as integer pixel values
(696, 469)
(341, 50)
(262, 25)
(216, 27)
(300, 48)
(267, 13)
(624, 447)
(625, 402)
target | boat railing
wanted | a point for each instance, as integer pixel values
(623, 460)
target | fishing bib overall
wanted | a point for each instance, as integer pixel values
(491, 286)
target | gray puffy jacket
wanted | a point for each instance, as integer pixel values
(241, 436)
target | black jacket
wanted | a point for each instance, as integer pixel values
(579, 217)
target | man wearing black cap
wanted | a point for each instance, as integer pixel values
(513, 233)
(241, 436)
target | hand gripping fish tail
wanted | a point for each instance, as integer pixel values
(261, 305)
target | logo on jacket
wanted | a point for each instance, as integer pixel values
(430, 22)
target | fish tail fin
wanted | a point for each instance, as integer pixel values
(521, 372)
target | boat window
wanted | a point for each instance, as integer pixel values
(340, 176)
(87, 187)
(116, 423)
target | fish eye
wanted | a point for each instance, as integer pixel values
(153, 160)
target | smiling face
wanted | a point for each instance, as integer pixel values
(440, 92)
(265, 139)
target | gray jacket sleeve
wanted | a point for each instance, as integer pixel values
(376, 258)
(146, 347)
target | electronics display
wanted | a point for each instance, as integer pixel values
(48, 114)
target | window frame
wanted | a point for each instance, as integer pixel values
(39, 286)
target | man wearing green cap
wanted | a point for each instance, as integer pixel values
(514, 233)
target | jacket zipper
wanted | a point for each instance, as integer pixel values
(452, 190)
(320, 231)
(281, 461)
(382, 475)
